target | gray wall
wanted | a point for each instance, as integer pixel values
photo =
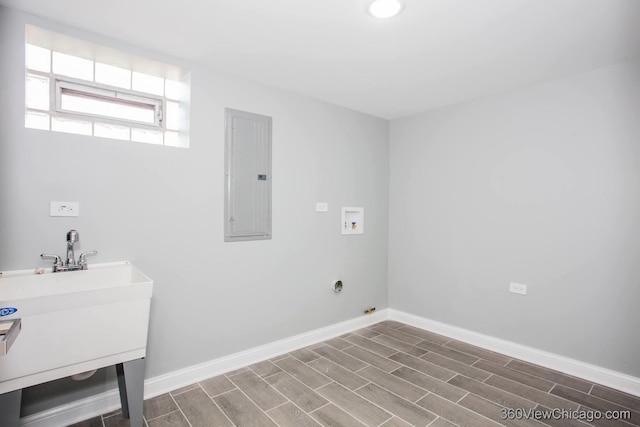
(540, 186)
(162, 209)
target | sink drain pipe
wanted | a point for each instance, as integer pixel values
(83, 376)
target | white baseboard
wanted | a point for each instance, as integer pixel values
(569, 366)
(108, 401)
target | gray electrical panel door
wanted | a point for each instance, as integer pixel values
(248, 176)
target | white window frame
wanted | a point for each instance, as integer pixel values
(103, 92)
(169, 127)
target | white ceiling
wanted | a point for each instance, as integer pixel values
(436, 53)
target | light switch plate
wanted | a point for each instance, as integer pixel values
(64, 209)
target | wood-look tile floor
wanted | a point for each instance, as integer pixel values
(386, 375)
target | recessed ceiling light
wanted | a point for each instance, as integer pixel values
(384, 9)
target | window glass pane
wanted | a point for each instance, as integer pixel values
(38, 58)
(107, 130)
(173, 139)
(37, 92)
(114, 76)
(90, 104)
(36, 120)
(146, 135)
(172, 89)
(60, 124)
(148, 84)
(172, 116)
(72, 66)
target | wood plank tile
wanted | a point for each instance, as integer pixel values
(495, 412)
(399, 335)
(337, 373)
(392, 383)
(518, 376)
(365, 332)
(262, 394)
(478, 352)
(264, 369)
(494, 394)
(447, 352)
(455, 413)
(332, 416)
(297, 392)
(116, 420)
(409, 412)
(241, 411)
(604, 422)
(158, 406)
(338, 343)
(339, 357)
(389, 324)
(236, 372)
(372, 346)
(425, 335)
(615, 396)
(289, 415)
(561, 422)
(392, 367)
(441, 422)
(530, 393)
(423, 366)
(399, 345)
(593, 402)
(200, 409)
(550, 375)
(455, 366)
(304, 355)
(430, 383)
(184, 389)
(115, 412)
(217, 385)
(355, 405)
(174, 419)
(372, 358)
(396, 422)
(278, 357)
(93, 422)
(303, 373)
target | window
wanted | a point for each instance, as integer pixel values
(78, 87)
(110, 104)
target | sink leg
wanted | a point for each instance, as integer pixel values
(131, 386)
(10, 408)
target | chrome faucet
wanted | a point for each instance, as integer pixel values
(72, 238)
(70, 264)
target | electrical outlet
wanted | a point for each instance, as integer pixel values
(64, 209)
(322, 207)
(518, 288)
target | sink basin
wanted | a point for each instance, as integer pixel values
(73, 322)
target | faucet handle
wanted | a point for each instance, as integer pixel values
(82, 260)
(57, 259)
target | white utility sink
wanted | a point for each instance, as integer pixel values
(72, 322)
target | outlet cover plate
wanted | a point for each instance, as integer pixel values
(518, 288)
(64, 209)
(322, 207)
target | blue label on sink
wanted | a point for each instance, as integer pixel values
(7, 311)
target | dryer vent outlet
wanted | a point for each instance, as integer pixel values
(337, 286)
